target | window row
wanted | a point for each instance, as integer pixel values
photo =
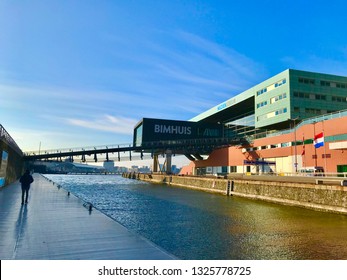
(272, 100)
(323, 83)
(271, 87)
(307, 95)
(272, 114)
(261, 104)
(333, 84)
(339, 98)
(306, 81)
(313, 111)
(278, 98)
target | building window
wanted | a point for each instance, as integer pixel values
(307, 95)
(261, 104)
(333, 84)
(301, 94)
(272, 114)
(260, 92)
(271, 87)
(326, 155)
(281, 111)
(339, 98)
(279, 83)
(325, 83)
(278, 98)
(306, 81)
(341, 85)
(287, 144)
(313, 111)
(321, 97)
(233, 169)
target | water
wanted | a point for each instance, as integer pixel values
(198, 225)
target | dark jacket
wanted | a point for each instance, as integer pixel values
(26, 180)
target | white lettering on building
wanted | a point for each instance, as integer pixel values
(172, 129)
(211, 132)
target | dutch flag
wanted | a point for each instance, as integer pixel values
(318, 140)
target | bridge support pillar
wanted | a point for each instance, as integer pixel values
(155, 163)
(166, 167)
(168, 162)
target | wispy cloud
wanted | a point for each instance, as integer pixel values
(116, 124)
(206, 63)
(174, 76)
(187, 72)
(237, 63)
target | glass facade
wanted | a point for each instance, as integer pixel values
(138, 136)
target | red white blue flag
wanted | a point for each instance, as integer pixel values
(318, 140)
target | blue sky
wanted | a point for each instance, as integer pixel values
(83, 73)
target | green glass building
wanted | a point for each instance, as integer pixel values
(275, 103)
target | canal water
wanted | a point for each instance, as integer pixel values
(198, 225)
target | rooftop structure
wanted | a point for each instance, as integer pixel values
(275, 102)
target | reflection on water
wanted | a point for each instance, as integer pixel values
(197, 225)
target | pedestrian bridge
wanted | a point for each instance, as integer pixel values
(193, 149)
(153, 137)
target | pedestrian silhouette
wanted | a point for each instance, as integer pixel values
(26, 180)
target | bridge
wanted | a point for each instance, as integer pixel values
(193, 149)
(154, 137)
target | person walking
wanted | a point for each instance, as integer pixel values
(26, 180)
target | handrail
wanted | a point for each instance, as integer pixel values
(77, 149)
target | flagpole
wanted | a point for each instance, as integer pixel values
(315, 149)
(325, 150)
(303, 151)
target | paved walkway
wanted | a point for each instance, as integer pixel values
(54, 225)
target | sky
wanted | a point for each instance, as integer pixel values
(83, 73)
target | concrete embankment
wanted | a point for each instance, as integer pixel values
(318, 194)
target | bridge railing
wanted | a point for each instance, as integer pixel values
(199, 142)
(6, 137)
(76, 149)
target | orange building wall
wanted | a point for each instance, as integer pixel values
(233, 156)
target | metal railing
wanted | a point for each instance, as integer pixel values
(257, 133)
(6, 137)
(76, 149)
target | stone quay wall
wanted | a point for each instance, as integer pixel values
(318, 194)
